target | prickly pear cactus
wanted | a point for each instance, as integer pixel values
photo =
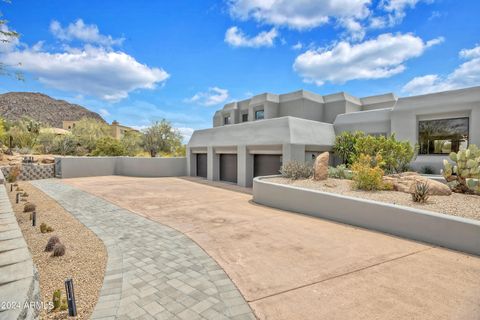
(464, 176)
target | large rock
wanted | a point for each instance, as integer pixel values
(405, 182)
(321, 167)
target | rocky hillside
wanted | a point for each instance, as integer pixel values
(42, 108)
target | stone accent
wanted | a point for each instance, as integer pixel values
(405, 182)
(19, 286)
(321, 166)
(153, 271)
(33, 171)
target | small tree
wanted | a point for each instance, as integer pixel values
(109, 146)
(132, 142)
(87, 131)
(161, 137)
(345, 146)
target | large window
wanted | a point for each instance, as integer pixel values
(443, 136)
(259, 114)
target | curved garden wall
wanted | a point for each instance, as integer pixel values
(438, 229)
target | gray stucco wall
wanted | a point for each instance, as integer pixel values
(435, 228)
(75, 167)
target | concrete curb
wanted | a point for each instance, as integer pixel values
(438, 229)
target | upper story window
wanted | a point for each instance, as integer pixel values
(259, 114)
(226, 120)
(245, 117)
(443, 136)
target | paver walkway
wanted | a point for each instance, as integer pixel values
(153, 271)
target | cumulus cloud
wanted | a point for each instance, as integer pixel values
(212, 97)
(236, 38)
(87, 33)
(96, 71)
(466, 74)
(382, 57)
(396, 9)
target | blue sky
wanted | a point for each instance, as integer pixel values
(140, 61)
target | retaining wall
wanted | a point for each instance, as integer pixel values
(438, 229)
(75, 167)
(32, 171)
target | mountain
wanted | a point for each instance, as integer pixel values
(42, 108)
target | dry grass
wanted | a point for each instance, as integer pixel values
(84, 260)
(462, 205)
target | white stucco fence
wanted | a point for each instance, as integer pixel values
(75, 167)
(438, 229)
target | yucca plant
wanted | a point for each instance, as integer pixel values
(420, 192)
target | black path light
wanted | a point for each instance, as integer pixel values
(34, 219)
(18, 196)
(11, 187)
(72, 306)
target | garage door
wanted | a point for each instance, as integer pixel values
(228, 167)
(266, 164)
(202, 165)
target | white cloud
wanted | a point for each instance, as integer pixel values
(397, 8)
(212, 97)
(466, 74)
(382, 57)
(236, 38)
(297, 46)
(103, 112)
(87, 33)
(97, 72)
(298, 14)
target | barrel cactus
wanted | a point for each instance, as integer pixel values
(464, 175)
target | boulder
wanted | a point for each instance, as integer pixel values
(48, 160)
(321, 167)
(405, 182)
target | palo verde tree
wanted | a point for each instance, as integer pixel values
(8, 36)
(161, 138)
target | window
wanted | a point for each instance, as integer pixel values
(226, 120)
(259, 114)
(245, 117)
(443, 136)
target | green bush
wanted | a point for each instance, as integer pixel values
(368, 174)
(340, 172)
(109, 146)
(345, 144)
(296, 170)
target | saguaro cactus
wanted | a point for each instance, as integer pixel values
(464, 176)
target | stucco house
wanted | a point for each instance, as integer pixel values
(254, 137)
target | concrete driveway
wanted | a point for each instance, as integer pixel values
(291, 266)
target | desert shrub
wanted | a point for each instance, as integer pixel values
(46, 141)
(19, 189)
(296, 170)
(65, 145)
(132, 143)
(109, 146)
(88, 131)
(162, 138)
(420, 193)
(51, 243)
(368, 174)
(57, 299)
(427, 170)
(29, 207)
(340, 172)
(44, 228)
(58, 250)
(14, 173)
(345, 144)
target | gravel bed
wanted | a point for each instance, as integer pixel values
(84, 261)
(461, 205)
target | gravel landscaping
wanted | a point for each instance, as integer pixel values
(84, 260)
(462, 205)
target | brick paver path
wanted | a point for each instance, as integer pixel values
(153, 271)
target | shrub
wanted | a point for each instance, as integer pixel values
(14, 173)
(368, 174)
(57, 298)
(296, 170)
(19, 189)
(109, 146)
(420, 193)
(44, 228)
(345, 144)
(51, 243)
(427, 170)
(29, 207)
(58, 250)
(340, 172)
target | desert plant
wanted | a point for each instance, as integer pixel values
(108, 146)
(44, 228)
(296, 170)
(344, 145)
(64, 305)
(427, 170)
(57, 298)
(368, 174)
(420, 193)
(51, 243)
(14, 173)
(19, 189)
(58, 250)
(340, 172)
(29, 207)
(464, 176)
